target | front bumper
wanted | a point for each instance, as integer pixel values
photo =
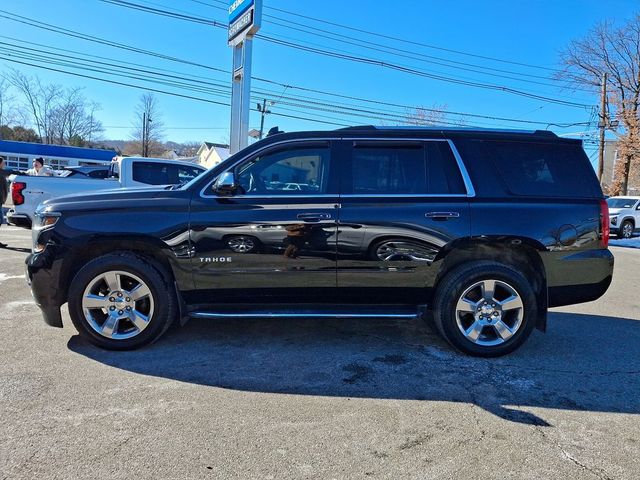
(43, 276)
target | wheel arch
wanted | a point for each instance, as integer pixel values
(631, 219)
(519, 252)
(149, 248)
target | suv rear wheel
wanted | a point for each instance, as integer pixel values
(121, 301)
(485, 308)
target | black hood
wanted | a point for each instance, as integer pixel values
(131, 198)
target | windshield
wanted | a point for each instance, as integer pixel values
(621, 202)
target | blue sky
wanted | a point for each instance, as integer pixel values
(530, 32)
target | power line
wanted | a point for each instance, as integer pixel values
(394, 50)
(297, 117)
(397, 39)
(179, 80)
(37, 24)
(354, 58)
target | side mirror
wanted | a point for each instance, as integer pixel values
(225, 185)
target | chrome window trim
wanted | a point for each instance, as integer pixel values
(461, 168)
(405, 195)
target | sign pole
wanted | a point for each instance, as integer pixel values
(244, 22)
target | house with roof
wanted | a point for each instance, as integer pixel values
(211, 154)
(20, 155)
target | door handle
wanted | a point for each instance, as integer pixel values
(313, 217)
(442, 215)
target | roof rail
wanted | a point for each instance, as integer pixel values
(546, 133)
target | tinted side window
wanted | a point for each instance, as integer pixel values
(151, 173)
(389, 170)
(422, 168)
(186, 174)
(99, 174)
(296, 171)
(543, 169)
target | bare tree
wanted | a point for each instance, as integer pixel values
(73, 120)
(41, 100)
(9, 113)
(58, 115)
(148, 128)
(423, 116)
(615, 51)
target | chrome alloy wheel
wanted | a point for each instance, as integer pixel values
(117, 305)
(489, 312)
(241, 244)
(627, 230)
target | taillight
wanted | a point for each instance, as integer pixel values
(16, 192)
(604, 224)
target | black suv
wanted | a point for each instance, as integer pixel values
(480, 230)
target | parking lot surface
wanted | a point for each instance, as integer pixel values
(320, 399)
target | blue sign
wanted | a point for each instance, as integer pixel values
(237, 8)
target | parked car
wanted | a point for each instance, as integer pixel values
(28, 192)
(86, 171)
(624, 215)
(484, 229)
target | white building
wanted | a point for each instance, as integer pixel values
(20, 155)
(211, 154)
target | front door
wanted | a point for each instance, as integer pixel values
(274, 238)
(401, 203)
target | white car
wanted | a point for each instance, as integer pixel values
(624, 215)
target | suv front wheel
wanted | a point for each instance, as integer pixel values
(121, 301)
(485, 308)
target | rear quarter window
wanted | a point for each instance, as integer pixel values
(529, 168)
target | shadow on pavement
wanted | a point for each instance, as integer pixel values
(583, 363)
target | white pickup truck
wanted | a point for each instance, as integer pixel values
(27, 192)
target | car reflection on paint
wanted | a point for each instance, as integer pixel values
(380, 243)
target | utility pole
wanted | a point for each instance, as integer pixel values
(146, 120)
(263, 111)
(144, 134)
(602, 124)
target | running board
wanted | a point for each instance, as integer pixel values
(289, 311)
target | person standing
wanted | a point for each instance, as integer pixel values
(4, 190)
(40, 169)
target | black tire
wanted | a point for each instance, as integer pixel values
(162, 295)
(451, 288)
(626, 233)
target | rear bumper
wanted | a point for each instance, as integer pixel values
(577, 277)
(43, 276)
(18, 219)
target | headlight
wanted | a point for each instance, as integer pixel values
(43, 221)
(46, 219)
(613, 220)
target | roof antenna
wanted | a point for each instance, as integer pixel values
(274, 131)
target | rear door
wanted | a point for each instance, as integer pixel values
(401, 203)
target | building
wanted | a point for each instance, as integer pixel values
(211, 154)
(20, 155)
(611, 158)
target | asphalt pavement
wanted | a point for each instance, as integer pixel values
(279, 399)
